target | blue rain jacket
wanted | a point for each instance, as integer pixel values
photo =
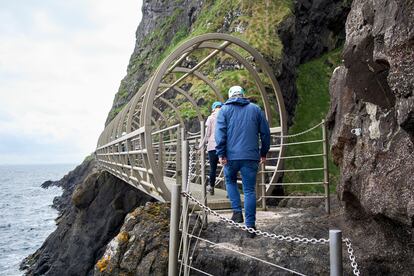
(239, 125)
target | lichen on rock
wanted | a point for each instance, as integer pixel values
(141, 247)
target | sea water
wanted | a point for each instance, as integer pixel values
(26, 215)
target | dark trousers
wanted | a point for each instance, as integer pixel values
(213, 159)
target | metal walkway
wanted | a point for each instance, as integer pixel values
(150, 143)
(142, 144)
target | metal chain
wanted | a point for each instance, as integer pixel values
(354, 264)
(298, 134)
(191, 166)
(251, 230)
(347, 241)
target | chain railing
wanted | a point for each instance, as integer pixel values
(350, 250)
(252, 230)
(186, 259)
(274, 236)
(324, 168)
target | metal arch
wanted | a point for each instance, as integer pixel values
(124, 112)
(249, 68)
(185, 94)
(106, 138)
(135, 101)
(115, 127)
(151, 91)
(202, 77)
(180, 118)
(141, 107)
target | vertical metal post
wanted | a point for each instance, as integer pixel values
(203, 172)
(161, 151)
(175, 211)
(325, 168)
(186, 188)
(174, 227)
(263, 168)
(335, 252)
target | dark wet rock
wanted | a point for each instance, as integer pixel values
(69, 182)
(373, 92)
(161, 21)
(316, 28)
(141, 247)
(99, 205)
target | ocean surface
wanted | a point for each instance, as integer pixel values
(26, 216)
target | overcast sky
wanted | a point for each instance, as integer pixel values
(61, 63)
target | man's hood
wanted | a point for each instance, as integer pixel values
(237, 101)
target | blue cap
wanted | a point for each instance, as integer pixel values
(215, 105)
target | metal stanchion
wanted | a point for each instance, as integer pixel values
(335, 252)
(175, 216)
(263, 168)
(203, 172)
(186, 188)
(174, 230)
(325, 168)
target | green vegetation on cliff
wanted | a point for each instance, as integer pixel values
(313, 104)
(254, 22)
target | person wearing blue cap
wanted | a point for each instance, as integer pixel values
(211, 144)
(239, 127)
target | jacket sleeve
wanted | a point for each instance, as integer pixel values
(220, 134)
(264, 134)
(206, 134)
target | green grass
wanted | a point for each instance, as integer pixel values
(254, 22)
(257, 23)
(313, 92)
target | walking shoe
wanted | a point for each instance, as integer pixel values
(237, 217)
(251, 235)
(210, 189)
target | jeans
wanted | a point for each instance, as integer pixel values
(248, 170)
(213, 158)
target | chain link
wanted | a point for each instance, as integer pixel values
(251, 230)
(191, 166)
(298, 134)
(265, 234)
(354, 264)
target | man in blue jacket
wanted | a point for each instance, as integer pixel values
(239, 126)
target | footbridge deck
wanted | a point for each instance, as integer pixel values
(148, 142)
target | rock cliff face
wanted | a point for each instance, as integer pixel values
(373, 92)
(163, 23)
(141, 247)
(304, 30)
(98, 206)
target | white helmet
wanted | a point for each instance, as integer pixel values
(236, 91)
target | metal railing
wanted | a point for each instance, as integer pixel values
(314, 156)
(182, 250)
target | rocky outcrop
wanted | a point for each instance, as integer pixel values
(95, 215)
(141, 247)
(162, 22)
(316, 28)
(312, 28)
(373, 92)
(69, 182)
(94, 208)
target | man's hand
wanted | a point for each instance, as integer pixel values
(223, 160)
(262, 160)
